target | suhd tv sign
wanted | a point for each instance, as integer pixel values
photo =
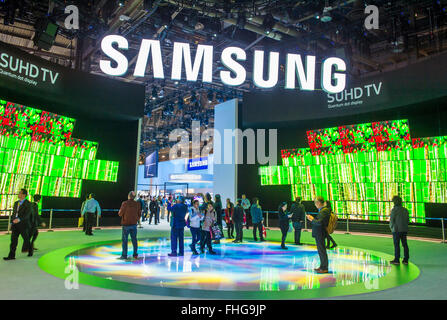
(333, 76)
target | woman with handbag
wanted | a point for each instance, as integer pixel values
(208, 222)
(283, 222)
(229, 218)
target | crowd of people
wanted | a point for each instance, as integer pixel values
(204, 217)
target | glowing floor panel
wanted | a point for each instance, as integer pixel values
(252, 266)
(250, 270)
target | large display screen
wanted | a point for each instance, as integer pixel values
(38, 153)
(359, 168)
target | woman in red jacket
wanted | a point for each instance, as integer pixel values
(229, 209)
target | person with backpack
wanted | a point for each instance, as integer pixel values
(331, 227)
(319, 225)
(298, 216)
(399, 220)
(256, 219)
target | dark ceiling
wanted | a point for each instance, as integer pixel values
(408, 31)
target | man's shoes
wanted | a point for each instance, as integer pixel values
(35, 249)
(263, 240)
(284, 248)
(195, 253)
(172, 254)
(180, 255)
(405, 262)
(135, 256)
(299, 244)
(8, 258)
(321, 271)
(122, 258)
(255, 239)
(30, 254)
(202, 252)
(236, 241)
(395, 262)
(212, 252)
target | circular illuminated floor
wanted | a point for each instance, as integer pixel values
(239, 271)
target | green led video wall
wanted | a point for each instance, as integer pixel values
(359, 168)
(38, 152)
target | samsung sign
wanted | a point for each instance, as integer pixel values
(197, 164)
(333, 77)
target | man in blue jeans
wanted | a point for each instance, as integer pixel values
(399, 220)
(130, 213)
(178, 211)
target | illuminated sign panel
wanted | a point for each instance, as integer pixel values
(359, 168)
(333, 79)
(38, 153)
(198, 164)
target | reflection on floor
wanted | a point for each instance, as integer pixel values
(250, 266)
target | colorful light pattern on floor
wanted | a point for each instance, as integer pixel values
(251, 266)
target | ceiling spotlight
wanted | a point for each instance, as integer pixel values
(199, 26)
(268, 23)
(121, 3)
(326, 17)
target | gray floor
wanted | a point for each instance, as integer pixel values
(23, 279)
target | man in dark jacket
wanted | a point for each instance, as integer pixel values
(179, 211)
(21, 225)
(153, 207)
(130, 213)
(238, 219)
(399, 220)
(35, 220)
(319, 225)
(256, 219)
(298, 216)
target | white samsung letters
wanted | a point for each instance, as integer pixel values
(333, 77)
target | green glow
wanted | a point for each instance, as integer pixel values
(361, 177)
(38, 152)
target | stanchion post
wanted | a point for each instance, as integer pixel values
(443, 230)
(9, 223)
(305, 224)
(97, 222)
(266, 219)
(51, 221)
(347, 224)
